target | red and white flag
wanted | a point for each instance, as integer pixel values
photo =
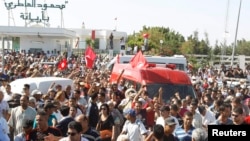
(89, 57)
(63, 64)
(139, 61)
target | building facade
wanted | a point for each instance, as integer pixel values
(53, 41)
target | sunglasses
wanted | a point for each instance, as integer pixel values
(71, 134)
(103, 109)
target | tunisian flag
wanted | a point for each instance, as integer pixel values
(139, 61)
(89, 57)
(63, 64)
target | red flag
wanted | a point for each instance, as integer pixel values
(139, 61)
(89, 57)
(63, 64)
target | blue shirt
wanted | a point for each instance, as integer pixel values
(51, 117)
(182, 135)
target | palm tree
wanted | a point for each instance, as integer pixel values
(89, 42)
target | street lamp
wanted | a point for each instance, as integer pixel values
(161, 41)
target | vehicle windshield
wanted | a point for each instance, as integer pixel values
(169, 90)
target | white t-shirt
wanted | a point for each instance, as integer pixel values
(134, 130)
(209, 118)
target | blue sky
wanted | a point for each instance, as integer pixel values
(183, 16)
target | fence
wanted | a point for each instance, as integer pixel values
(217, 60)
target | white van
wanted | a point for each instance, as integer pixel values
(40, 83)
(179, 60)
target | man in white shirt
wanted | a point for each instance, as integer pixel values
(197, 119)
(20, 114)
(4, 106)
(134, 128)
(7, 93)
(165, 113)
(207, 116)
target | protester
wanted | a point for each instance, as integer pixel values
(91, 88)
(74, 132)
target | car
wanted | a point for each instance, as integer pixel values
(153, 77)
(41, 83)
(179, 60)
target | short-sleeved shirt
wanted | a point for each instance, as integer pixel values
(134, 130)
(182, 135)
(36, 135)
(18, 116)
(108, 123)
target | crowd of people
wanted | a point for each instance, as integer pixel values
(94, 109)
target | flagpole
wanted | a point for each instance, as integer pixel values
(235, 39)
(115, 23)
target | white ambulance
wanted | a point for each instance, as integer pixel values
(161, 61)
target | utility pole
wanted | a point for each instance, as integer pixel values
(235, 39)
(3, 63)
(223, 48)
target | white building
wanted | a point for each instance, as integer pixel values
(55, 40)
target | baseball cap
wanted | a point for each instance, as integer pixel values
(170, 121)
(36, 92)
(130, 112)
(27, 123)
(165, 108)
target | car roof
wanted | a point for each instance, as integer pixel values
(41, 83)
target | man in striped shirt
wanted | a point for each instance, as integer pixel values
(184, 133)
(88, 132)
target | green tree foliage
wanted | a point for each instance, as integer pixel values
(243, 47)
(217, 48)
(172, 40)
(198, 47)
(175, 43)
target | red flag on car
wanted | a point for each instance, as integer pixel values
(89, 57)
(139, 61)
(63, 64)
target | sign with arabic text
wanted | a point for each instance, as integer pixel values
(11, 4)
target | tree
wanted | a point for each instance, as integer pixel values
(217, 48)
(172, 40)
(243, 47)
